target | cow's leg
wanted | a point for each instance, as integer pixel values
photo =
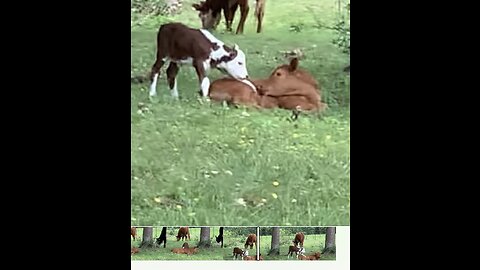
(165, 242)
(172, 71)
(202, 77)
(260, 14)
(154, 74)
(243, 13)
(233, 10)
(228, 15)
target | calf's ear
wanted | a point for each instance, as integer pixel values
(293, 64)
(235, 47)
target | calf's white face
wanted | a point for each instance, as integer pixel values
(237, 67)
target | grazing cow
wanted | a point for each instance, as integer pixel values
(180, 44)
(239, 252)
(183, 233)
(299, 238)
(251, 239)
(162, 237)
(133, 232)
(135, 250)
(296, 250)
(315, 256)
(209, 13)
(219, 238)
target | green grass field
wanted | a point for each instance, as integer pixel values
(203, 164)
(313, 243)
(215, 252)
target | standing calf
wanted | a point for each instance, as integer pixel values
(183, 233)
(180, 44)
(251, 239)
(296, 250)
(163, 237)
(299, 238)
(239, 252)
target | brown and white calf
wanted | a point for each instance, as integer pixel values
(299, 239)
(183, 233)
(179, 44)
(239, 252)
(296, 250)
(315, 256)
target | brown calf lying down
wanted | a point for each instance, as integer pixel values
(313, 257)
(185, 250)
(135, 250)
(133, 232)
(288, 88)
(239, 252)
(253, 258)
(183, 233)
(251, 239)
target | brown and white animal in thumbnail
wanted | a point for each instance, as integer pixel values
(179, 44)
(183, 233)
(239, 252)
(296, 250)
(251, 239)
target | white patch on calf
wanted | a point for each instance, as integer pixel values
(236, 68)
(174, 91)
(205, 85)
(153, 86)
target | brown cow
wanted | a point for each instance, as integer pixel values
(133, 232)
(251, 239)
(315, 256)
(209, 13)
(299, 238)
(238, 92)
(179, 44)
(183, 233)
(287, 82)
